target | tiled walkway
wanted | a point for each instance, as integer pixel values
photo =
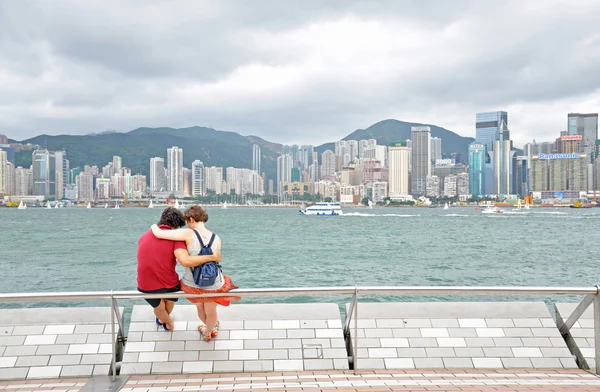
(417, 380)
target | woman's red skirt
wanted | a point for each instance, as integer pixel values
(225, 301)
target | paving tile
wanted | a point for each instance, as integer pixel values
(394, 342)
(139, 346)
(59, 329)
(280, 365)
(136, 368)
(272, 334)
(434, 332)
(17, 351)
(83, 349)
(257, 324)
(198, 367)
(96, 359)
(8, 362)
(545, 363)
(382, 353)
(480, 342)
(200, 345)
(183, 335)
(4, 330)
(365, 363)
(72, 339)
(569, 363)
(39, 340)
(329, 333)
(214, 355)
(508, 342)
(555, 352)
(57, 349)
(428, 363)
(399, 363)
(77, 370)
(517, 363)
(273, 354)
(407, 333)
(334, 323)
(258, 366)
(11, 340)
(187, 356)
(469, 352)
(170, 346)
(379, 333)
(143, 327)
(130, 357)
(528, 323)
(44, 372)
(105, 348)
(259, 344)
(472, 323)
(528, 352)
(228, 366)
(518, 332)
(462, 333)
(502, 352)
(287, 343)
(28, 330)
(444, 323)
(166, 367)
(500, 323)
(318, 364)
(286, 324)
(486, 363)
(243, 334)
(315, 324)
(227, 325)
(13, 373)
(489, 332)
(417, 323)
(89, 328)
(153, 357)
(296, 354)
(537, 342)
(389, 323)
(546, 332)
(434, 352)
(39, 360)
(413, 352)
(451, 342)
(97, 338)
(242, 355)
(302, 333)
(422, 342)
(101, 370)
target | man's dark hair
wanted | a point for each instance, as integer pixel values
(172, 217)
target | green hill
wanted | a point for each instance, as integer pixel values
(388, 131)
(213, 148)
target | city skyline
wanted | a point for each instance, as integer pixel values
(289, 73)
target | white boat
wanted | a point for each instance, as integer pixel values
(106, 206)
(22, 205)
(117, 206)
(518, 206)
(323, 209)
(527, 205)
(89, 205)
(446, 206)
(370, 203)
(56, 205)
(224, 206)
(48, 205)
(151, 205)
(492, 210)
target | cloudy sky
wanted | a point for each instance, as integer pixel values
(295, 71)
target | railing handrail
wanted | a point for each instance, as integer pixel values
(296, 291)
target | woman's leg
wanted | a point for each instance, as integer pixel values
(201, 312)
(211, 315)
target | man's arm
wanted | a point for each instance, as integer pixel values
(192, 261)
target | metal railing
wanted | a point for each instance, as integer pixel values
(592, 295)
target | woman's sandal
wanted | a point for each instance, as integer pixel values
(215, 330)
(205, 337)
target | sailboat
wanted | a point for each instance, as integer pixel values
(224, 205)
(527, 205)
(48, 204)
(370, 203)
(56, 205)
(117, 206)
(446, 206)
(89, 205)
(22, 206)
(151, 205)
(518, 207)
(177, 204)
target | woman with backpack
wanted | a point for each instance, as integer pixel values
(200, 240)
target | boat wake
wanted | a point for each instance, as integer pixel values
(461, 215)
(551, 212)
(516, 212)
(375, 215)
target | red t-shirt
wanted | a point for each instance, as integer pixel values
(156, 262)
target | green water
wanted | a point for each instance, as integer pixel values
(74, 249)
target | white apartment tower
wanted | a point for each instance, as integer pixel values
(197, 178)
(175, 170)
(3, 161)
(421, 158)
(284, 170)
(157, 174)
(399, 160)
(256, 158)
(327, 163)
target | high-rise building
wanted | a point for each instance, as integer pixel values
(62, 173)
(284, 171)
(559, 172)
(477, 156)
(213, 179)
(44, 173)
(305, 155)
(450, 186)
(85, 184)
(187, 182)
(9, 178)
(198, 177)
(432, 186)
(436, 148)
(327, 163)
(520, 175)
(421, 158)
(117, 164)
(175, 171)
(292, 151)
(462, 184)
(23, 181)
(488, 127)
(502, 162)
(103, 186)
(3, 162)
(585, 125)
(157, 175)
(399, 183)
(256, 158)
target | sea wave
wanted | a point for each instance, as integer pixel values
(375, 215)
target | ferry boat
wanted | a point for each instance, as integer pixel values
(492, 210)
(324, 209)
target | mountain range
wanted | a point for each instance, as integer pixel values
(212, 147)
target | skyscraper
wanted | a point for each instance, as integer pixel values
(436, 148)
(62, 173)
(488, 127)
(44, 173)
(477, 154)
(398, 169)
(198, 178)
(284, 171)
(187, 182)
(256, 158)
(117, 164)
(175, 170)
(305, 154)
(3, 162)
(157, 175)
(213, 179)
(585, 125)
(421, 158)
(502, 162)
(327, 163)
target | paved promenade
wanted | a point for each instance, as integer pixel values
(380, 380)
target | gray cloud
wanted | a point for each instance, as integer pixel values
(305, 71)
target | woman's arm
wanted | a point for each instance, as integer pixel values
(173, 235)
(192, 261)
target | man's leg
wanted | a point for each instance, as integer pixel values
(163, 315)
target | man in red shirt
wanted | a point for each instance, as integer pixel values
(156, 265)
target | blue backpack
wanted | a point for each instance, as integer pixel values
(207, 273)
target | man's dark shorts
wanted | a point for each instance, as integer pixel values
(154, 302)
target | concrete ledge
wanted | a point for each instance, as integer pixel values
(55, 342)
(458, 335)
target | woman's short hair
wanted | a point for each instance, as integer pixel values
(197, 213)
(172, 217)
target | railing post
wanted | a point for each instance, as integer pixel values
(597, 330)
(113, 337)
(355, 345)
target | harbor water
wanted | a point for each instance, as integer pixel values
(78, 249)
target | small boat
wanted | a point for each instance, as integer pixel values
(370, 203)
(117, 206)
(22, 205)
(56, 205)
(492, 210)
(323, 209)
(446, 206)
(151, 205)
(527, 205)
(579, 204)
(224, 206)
(48, 204)
(89, 205)
(106, 206)
(518, 206)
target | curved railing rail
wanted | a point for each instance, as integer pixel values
(592, 295)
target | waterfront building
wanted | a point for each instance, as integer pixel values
(187, 182)
(586, 126)
(373, 170)
(421, 158)
(256, 158)
(23, 181)
(62, 173)
(559, 172)
(327, 189)
(398, 170)
(297, 188)
(488, 127)
(85, 184)
(436, 148)
(284, 171)
(502, 162)
(198, 178)
(9, 178)
(378, 153)
(521, 174)
(305, 156)
(292, 151)
(44, 173)
(271, 187)
(157, 175)
(117, 164)
(477, 169)
(462, 184)
(450, 189)
(3, 162)
(379, 191)
(432, 186)
(213, 179)
(175, 171)
(445, 168)
(103, 188)
(328, 159)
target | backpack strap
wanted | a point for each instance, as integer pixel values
(200, 239)
(212, 239)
